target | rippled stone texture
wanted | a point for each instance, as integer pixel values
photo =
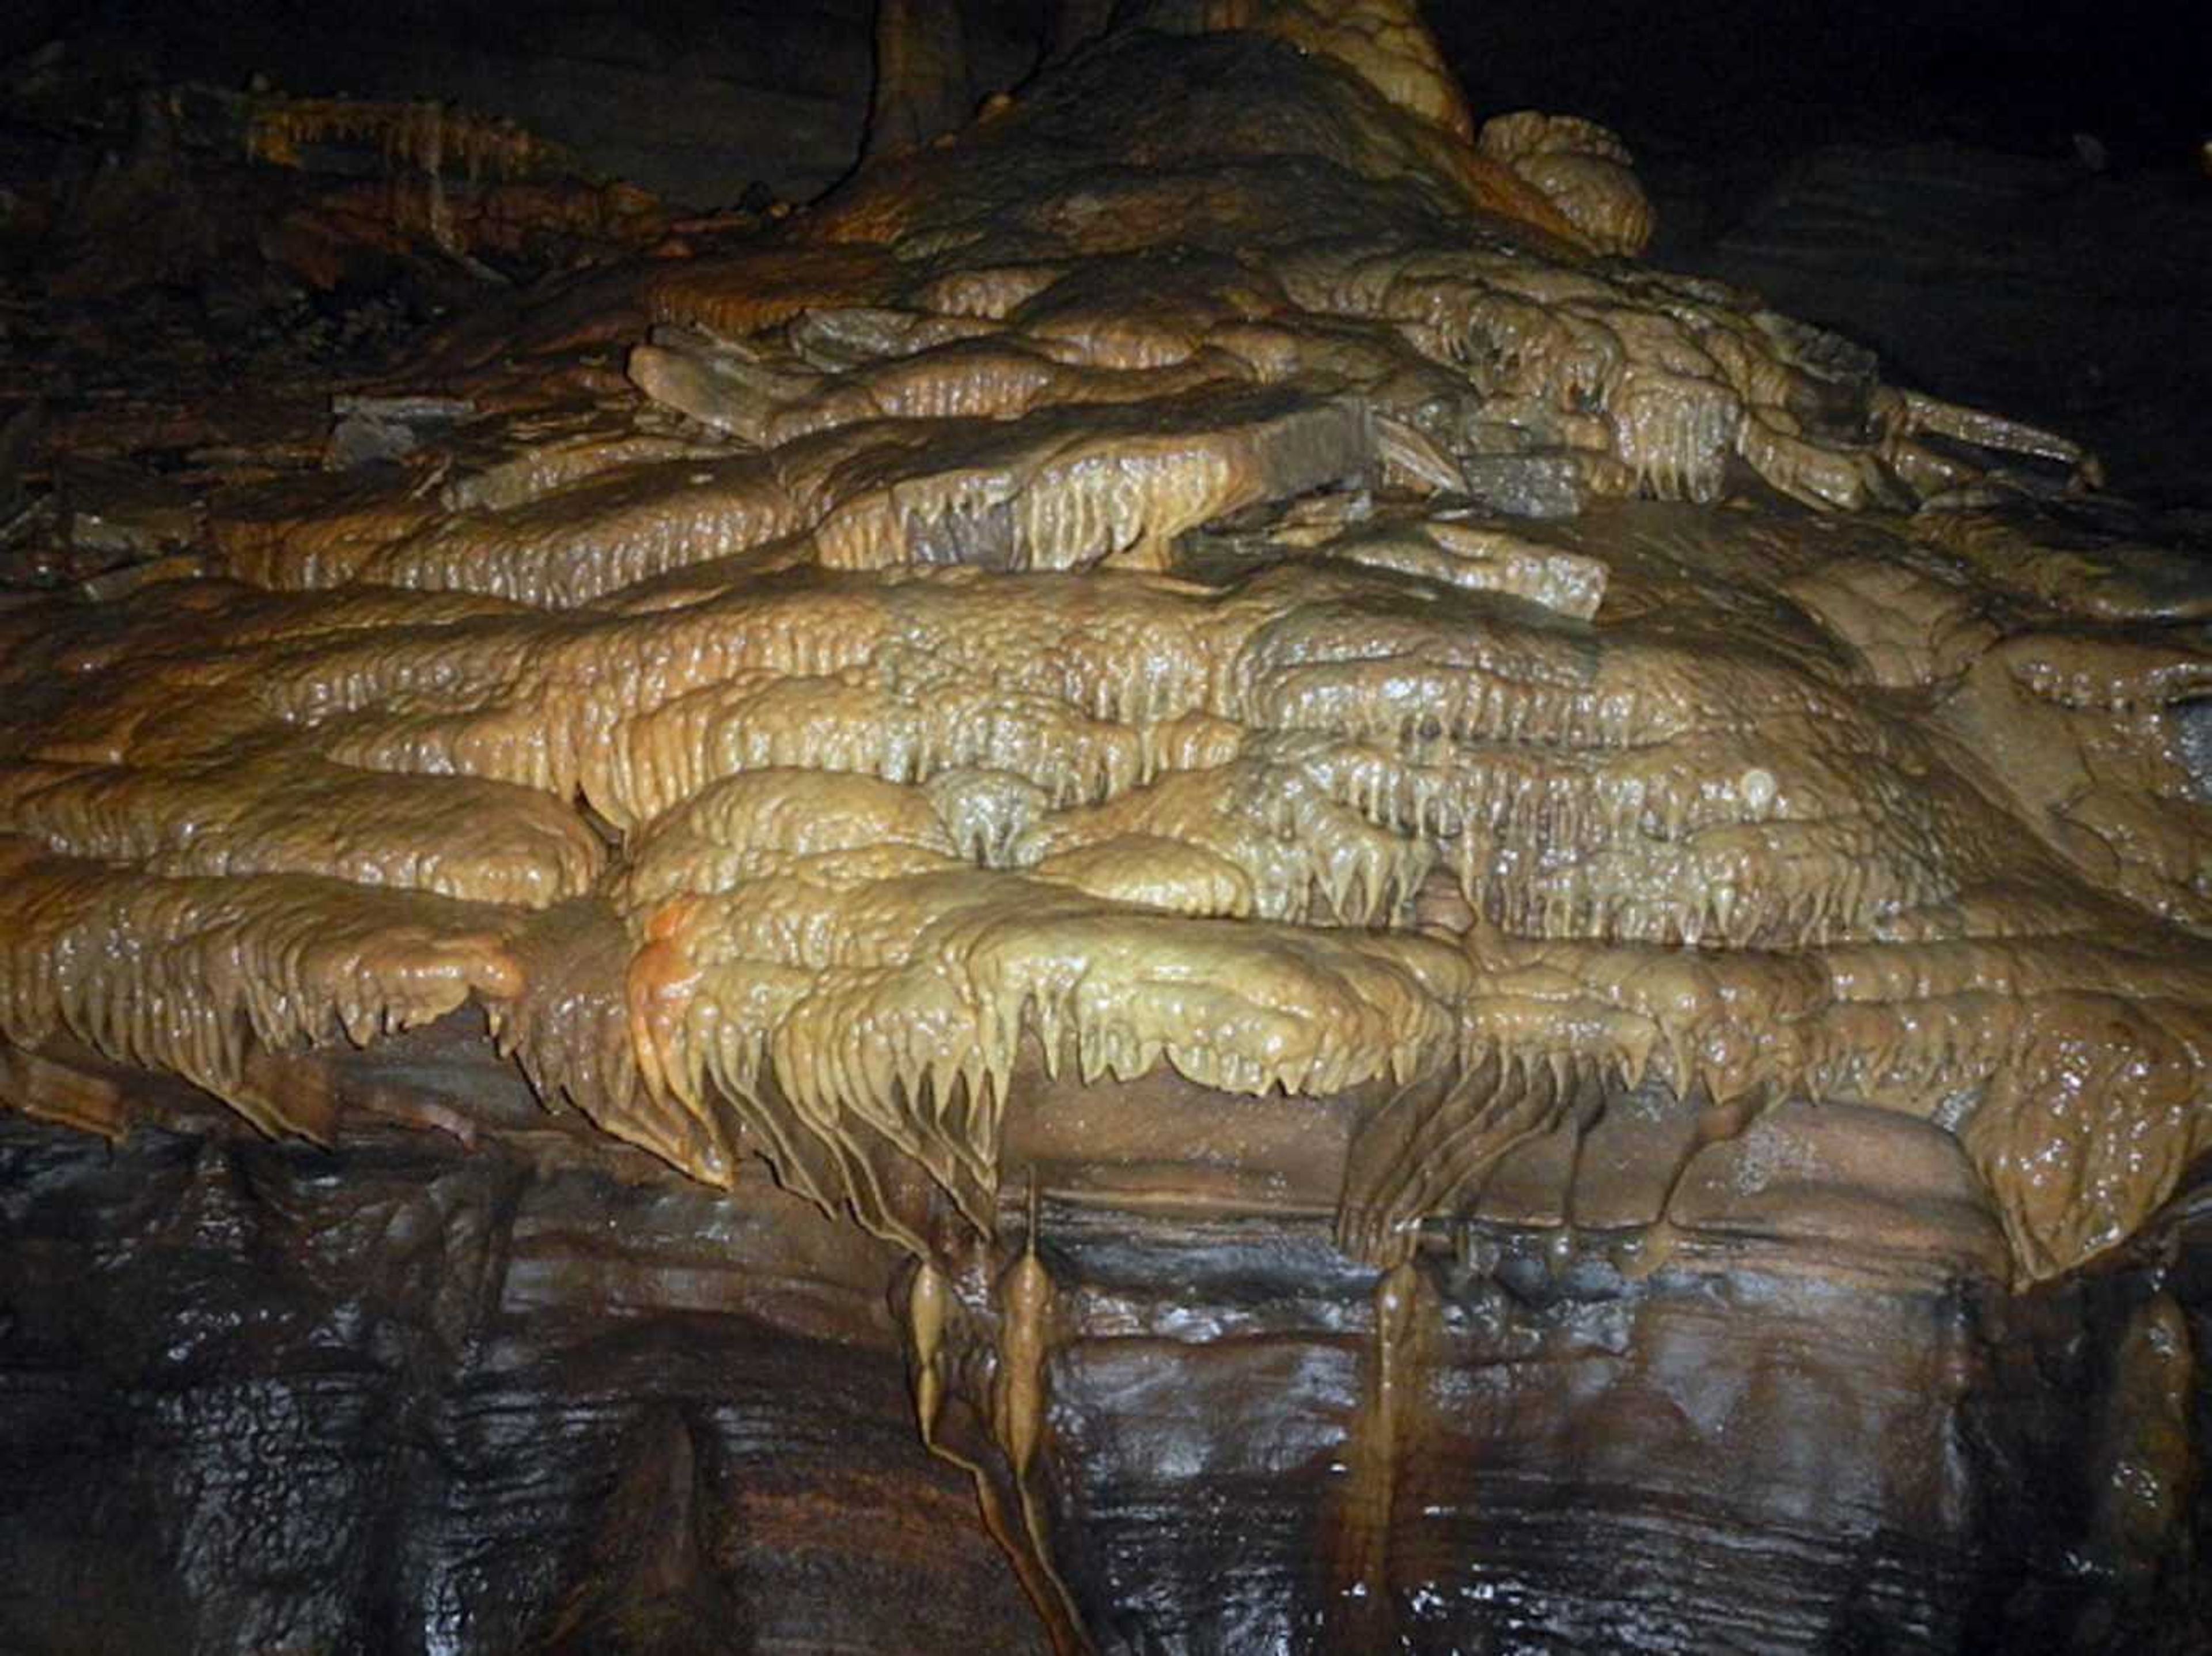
(1210, 653)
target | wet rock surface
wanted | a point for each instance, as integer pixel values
(407, 1396)
(1742, 1458)
(400, 1395)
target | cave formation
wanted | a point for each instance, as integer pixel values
(1271, 905)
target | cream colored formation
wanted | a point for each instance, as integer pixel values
(1216, 571)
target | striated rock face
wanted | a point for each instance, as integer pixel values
(1417, 906)
(414, 1395)
(405, 1395)
(1520, 1452)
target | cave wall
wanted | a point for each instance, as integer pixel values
(409, 1397)
(1919, 186)
(694, 99)
(700, 96)
(403, 1398)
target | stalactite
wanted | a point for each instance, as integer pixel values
(1380, 1441)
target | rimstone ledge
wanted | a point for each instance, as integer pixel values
(1181, 881)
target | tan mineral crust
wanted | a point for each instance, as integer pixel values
(1221, 588)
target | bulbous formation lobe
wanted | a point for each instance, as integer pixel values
(1583, 170)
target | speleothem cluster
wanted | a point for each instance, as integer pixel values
(1221, 567)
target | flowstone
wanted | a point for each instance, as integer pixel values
(1208, 669)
